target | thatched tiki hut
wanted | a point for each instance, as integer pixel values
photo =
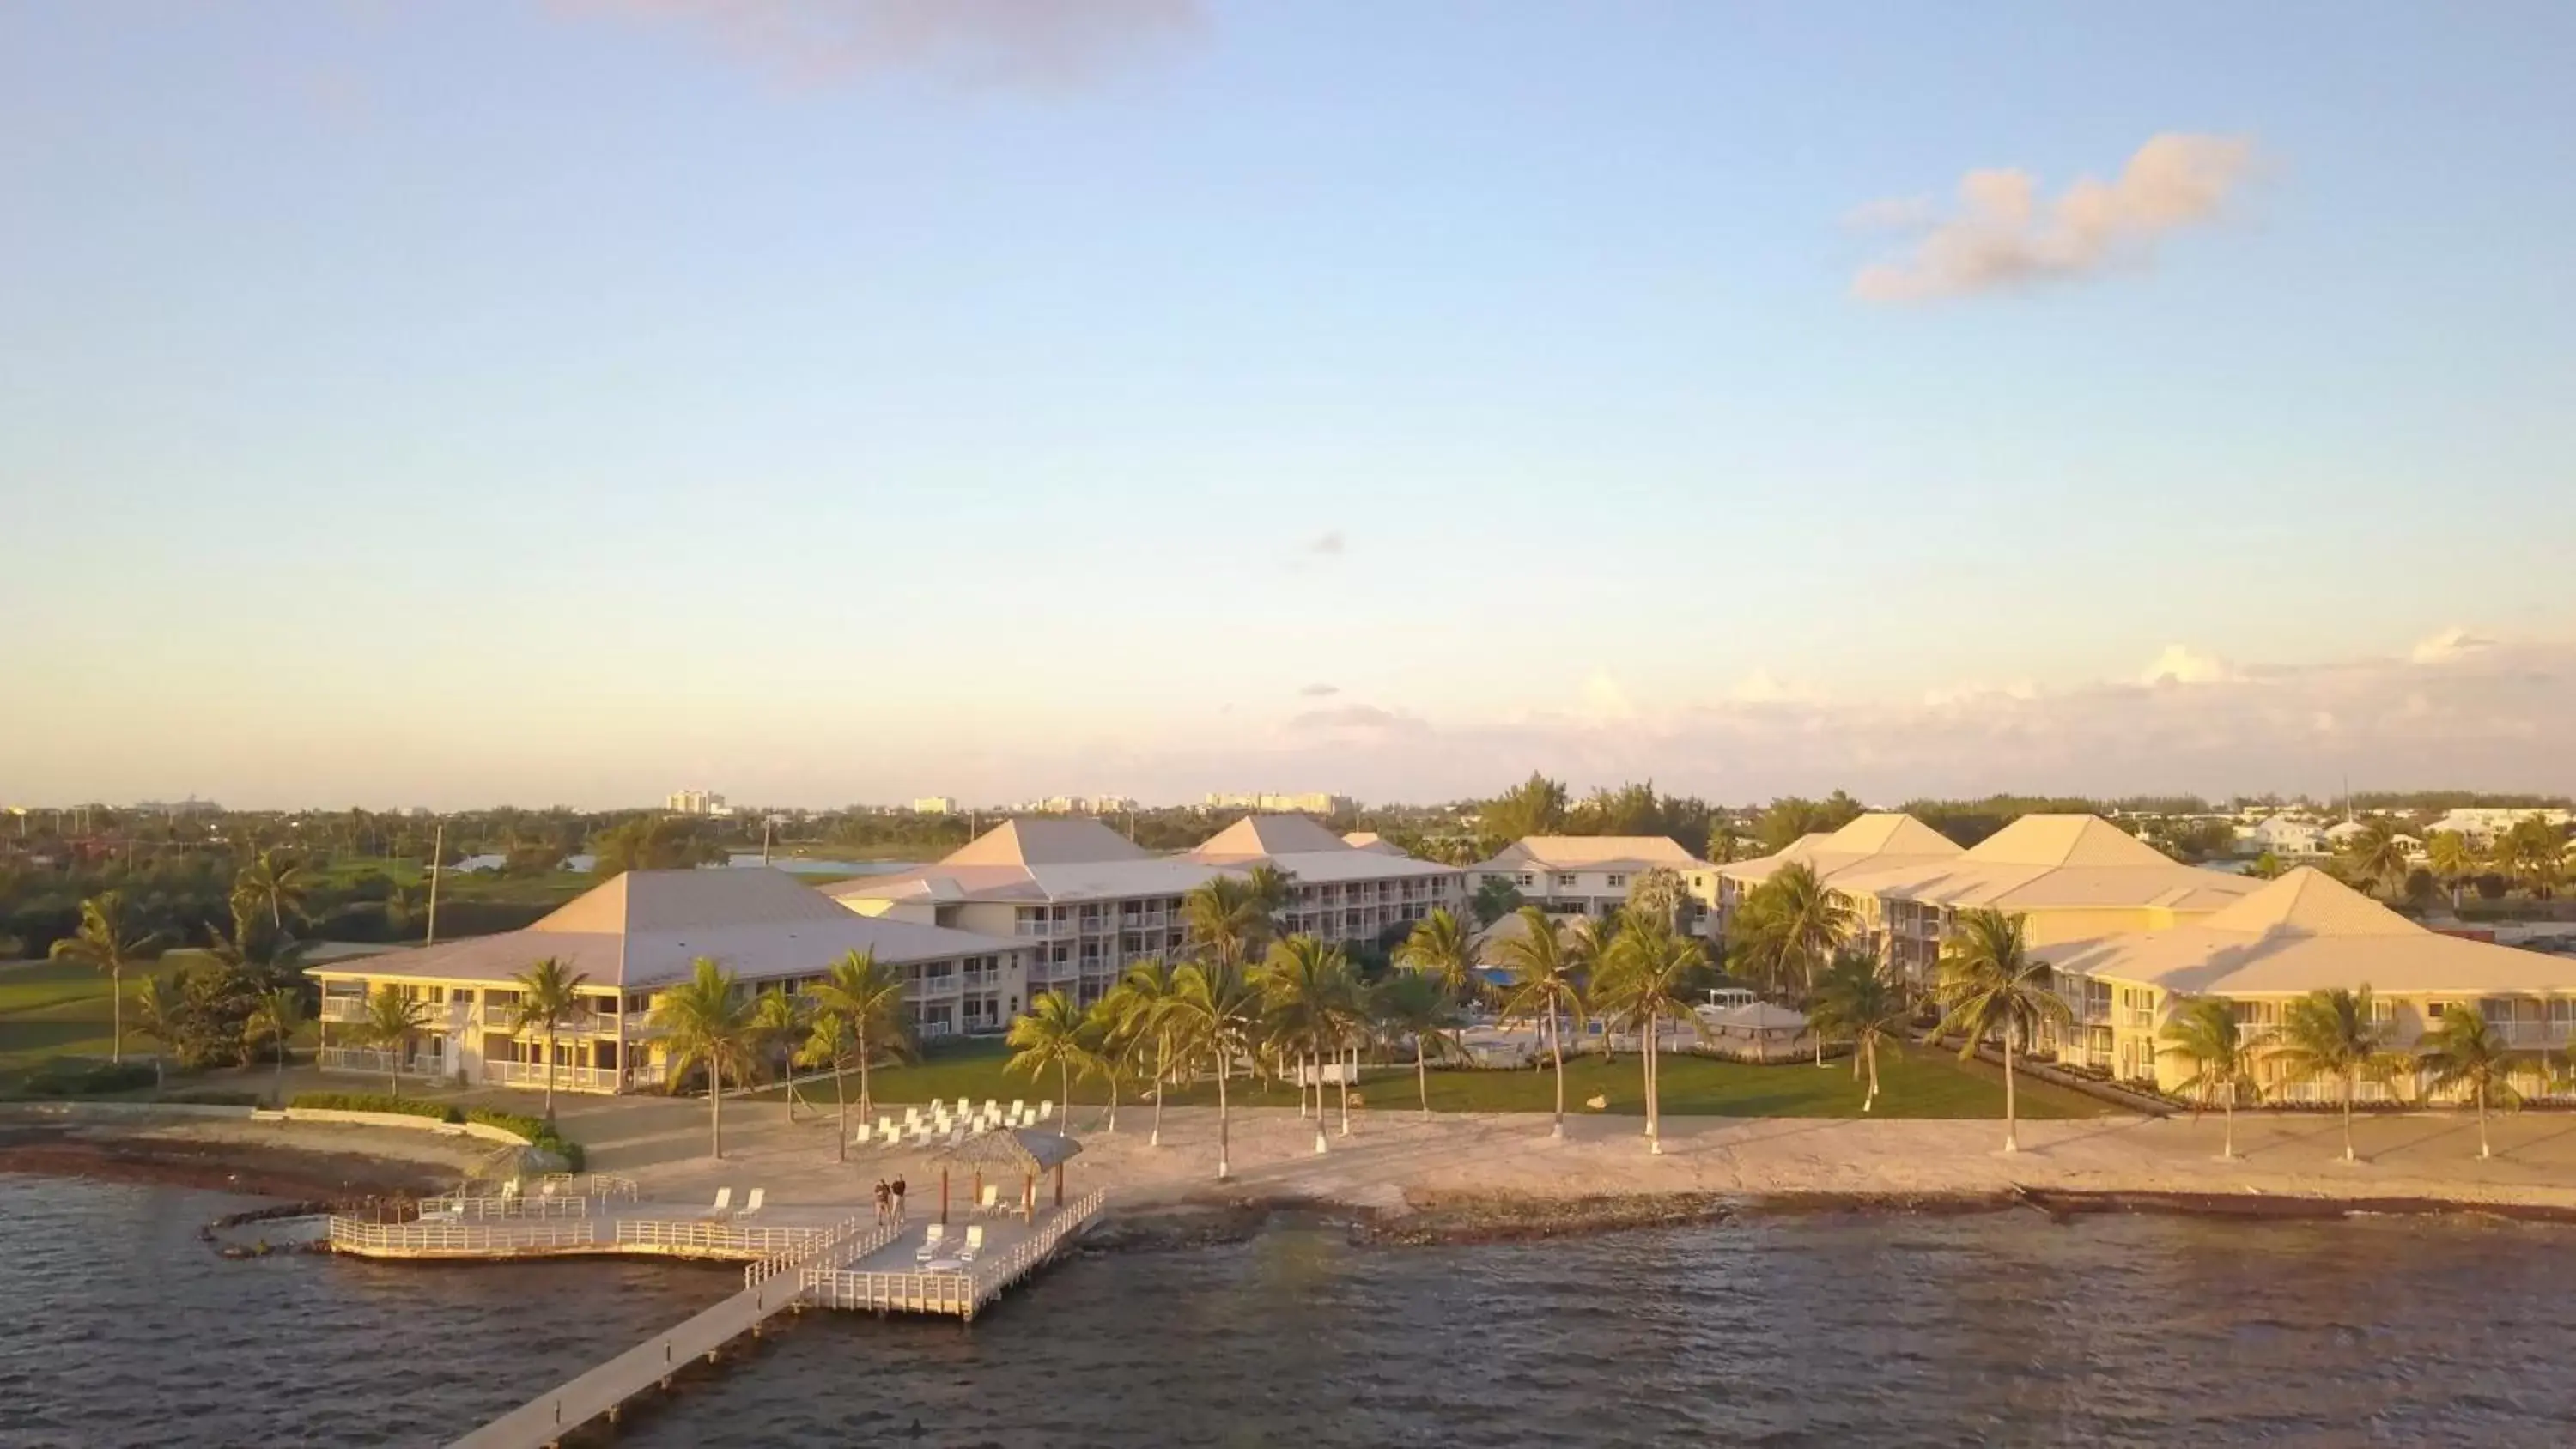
(1027, 1153)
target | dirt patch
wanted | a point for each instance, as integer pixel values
(251, 1169)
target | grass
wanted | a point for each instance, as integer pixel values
(57, 1009)
(1913, 1082)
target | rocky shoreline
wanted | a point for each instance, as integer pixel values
(298, 1174)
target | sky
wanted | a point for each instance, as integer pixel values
(498, 400)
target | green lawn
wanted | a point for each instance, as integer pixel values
(56, 1009)
(1914, 1082)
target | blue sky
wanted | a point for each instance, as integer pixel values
(479, 401)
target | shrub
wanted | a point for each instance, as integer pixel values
(375, 1102)
(539, 1132)
(75, 1077)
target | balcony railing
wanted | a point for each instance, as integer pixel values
(945, 985)
(567, 1079)
(366, 1059)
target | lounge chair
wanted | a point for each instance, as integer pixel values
(1018, 1107)
(723, 1203)
(930, 1242)
(1046, 1110)
(992, 1108)
(991, 1201)
(974, 1244)
(859, 1135)
(751, 1204)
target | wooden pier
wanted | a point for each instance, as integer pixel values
(855, 1264)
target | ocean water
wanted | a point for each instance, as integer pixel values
(1832, 1329)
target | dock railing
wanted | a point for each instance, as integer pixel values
(461, 1206)
(850, 1239)
(729, 1239)
(437, 1237)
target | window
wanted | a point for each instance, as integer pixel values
(1565, 880)
(1527, 879)
(1618, 881)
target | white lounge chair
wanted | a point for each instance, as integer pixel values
(991, 1200)
(859, 1135)
(1046, 1110)
(723, 1203)
(930, 1242)
(992, 1108)
(751, 1204)
(974, 1244)
(1018, 1107)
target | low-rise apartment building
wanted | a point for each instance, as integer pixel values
(1591, 875)
(630, 939)
(1089, 901)
(2302, 933)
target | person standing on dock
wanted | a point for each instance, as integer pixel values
(898, 1202)
(885, 1203)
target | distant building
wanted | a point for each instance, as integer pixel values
(2288, 835)
(1590, 875)
(936, 805)
(696, 802)
(2481, 825)
(1314, 802)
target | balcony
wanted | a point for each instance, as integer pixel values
(2533, 1033)
(944, 984)
(367, 1059)
(567, 1079)
(440, 1016)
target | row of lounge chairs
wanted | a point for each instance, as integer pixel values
(939, 1122)
(934, 1245)
(724, 1211)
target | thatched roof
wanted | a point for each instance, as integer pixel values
(1023, 1149)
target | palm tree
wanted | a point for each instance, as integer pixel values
(2335, 1034)
(868, 1000)
(549, 995)
(703, 1020)
(108, 940)
(2376, 857)
(2205, 1033)
(277, 1016)
(274, 883)
(1658, 890)
(2268, 866)
(1857, 1000)
(1312, 1000)
(1442, 948)
(393, 1018)
(2453, 860)
(1143, 1001)
(1222, 921)
(1415, 1004)
(780, 1023)
(1650, 972)
(2464, 1051)
(1268, 887)
(1542, 986)
(1990, 986)
(160, 1011)
(1810, 921)
(1051, 1035)
(1214, 1013)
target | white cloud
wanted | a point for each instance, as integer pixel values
(2181, 664)
(2005, 235)
(1328, 544)
(1037, 43)
(1320, 691)
(2451, 643)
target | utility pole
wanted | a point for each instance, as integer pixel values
(437, 853)
(766, 821)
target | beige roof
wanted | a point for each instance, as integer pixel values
(1593, 852)
(1880, 838)
(2048, 862)
(648, 927)
(1371, 840)
(1045, 841)
(2308, 932)
(1255, 837)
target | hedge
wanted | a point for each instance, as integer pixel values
(70, 1077)
(538, 1132)
(203, 1097)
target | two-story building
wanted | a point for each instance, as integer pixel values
(1882, 839)
(628, 940)
(1591, 875)
(1088, 901)
(2302, 933)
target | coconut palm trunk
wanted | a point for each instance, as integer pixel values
(2349, 1079)
(1064, 1081)
(2012, 1125)
(1315, 1061)
(2227, 1145)
(2482, 1122)
(1869, 1058)
(1162, 1084)
(1556, 1049)
(1422, 1072)
(1223, 1137)
(550, 1074)
(715, 1107)
(841, 1104)
(1350, 1068)
(867, 1106)
(1654, 1091)
(116, 1015)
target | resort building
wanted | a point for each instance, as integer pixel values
(2302, 933)
(629, 939)
(1879, 839)
(2480, 825)
(1089, 901)
(2287, 835)
(1590, 875)
(696, 802)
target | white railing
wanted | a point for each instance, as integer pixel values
(2329, 1092)
(605, 1185)
(732, 1240)
(349, 1235)
(2533, 1033)
(853, 1238)
(1017, 1261)
(344, 1008)
(939, 985)
(368, 1059)
(952, 1293)
(516, 1206)
(533, 1074)
(639, 1024)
